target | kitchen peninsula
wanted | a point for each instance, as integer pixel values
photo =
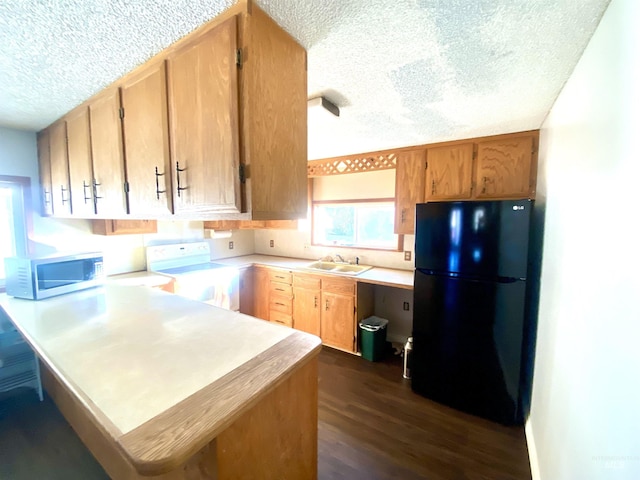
(158, 386)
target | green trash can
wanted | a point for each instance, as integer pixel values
(373, 338)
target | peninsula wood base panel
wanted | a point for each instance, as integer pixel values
(277, 438)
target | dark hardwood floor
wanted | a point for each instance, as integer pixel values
(371, 426)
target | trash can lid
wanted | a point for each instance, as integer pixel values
(373, 323)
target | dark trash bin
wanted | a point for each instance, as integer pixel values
(373, 338)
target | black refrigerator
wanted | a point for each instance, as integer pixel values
(469, 305)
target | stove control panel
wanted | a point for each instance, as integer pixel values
(161, 257)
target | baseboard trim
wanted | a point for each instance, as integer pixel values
(533, 453)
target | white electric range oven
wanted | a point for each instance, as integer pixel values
(195, 275)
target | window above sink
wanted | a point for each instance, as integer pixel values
(356, 223)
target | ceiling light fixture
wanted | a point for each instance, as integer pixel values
(321, 104)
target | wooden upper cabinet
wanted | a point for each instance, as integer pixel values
(504, 168)
(410, 169)
(59, 169)
(203, 118)
(108, 161)
(44, 166)
(146, 142)
(80, 164)
(214, 127)
(449, 172)
(123, 227)
(273, 81)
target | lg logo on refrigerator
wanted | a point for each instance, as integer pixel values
(518, 207)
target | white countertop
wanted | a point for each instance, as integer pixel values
(376, 275)
(136, 351)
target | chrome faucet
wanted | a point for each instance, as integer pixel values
(341, 258)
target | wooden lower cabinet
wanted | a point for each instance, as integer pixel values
(306, 303)
(280, 297)
(247, 291)
(261, 285)
(337, 322)
(323, 305)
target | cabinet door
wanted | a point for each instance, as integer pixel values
(123, 227)
(203, 115)
(409, 189)
(338, 321)
(306, 303)
(504, 168)
(108, 161)
(80, 168)
(59, 169)
(306, 310)
(449, 172)
(44, 165)
(247, 291)
(261, 284)
(274, 119)
(146, 142)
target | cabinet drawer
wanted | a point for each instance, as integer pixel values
(310, 283)
(281, 276)
(339, 285)
(281, 304)
(282, 318)
(282, 289)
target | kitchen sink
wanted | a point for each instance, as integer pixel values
(338, 268)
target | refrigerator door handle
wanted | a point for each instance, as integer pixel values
(470, 278)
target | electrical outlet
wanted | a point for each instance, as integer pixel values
(405, 306)
(271, 243)
(230, 245)
(407, 255)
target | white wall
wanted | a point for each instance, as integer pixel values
(122, 253)
(585, 413)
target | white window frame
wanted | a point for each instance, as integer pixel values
(394, 248)
(21, 214)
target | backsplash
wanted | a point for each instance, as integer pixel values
(127, 253)
(297, 243)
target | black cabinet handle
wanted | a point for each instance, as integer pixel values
(62, 190)
(45, 193)
(433, 187)
(178, 170)
(96, 197)
(158, 191)
(84, 191)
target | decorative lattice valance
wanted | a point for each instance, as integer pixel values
(352, 164)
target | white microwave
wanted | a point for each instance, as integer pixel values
(44, 277)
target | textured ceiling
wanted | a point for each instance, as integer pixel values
(402, 72)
